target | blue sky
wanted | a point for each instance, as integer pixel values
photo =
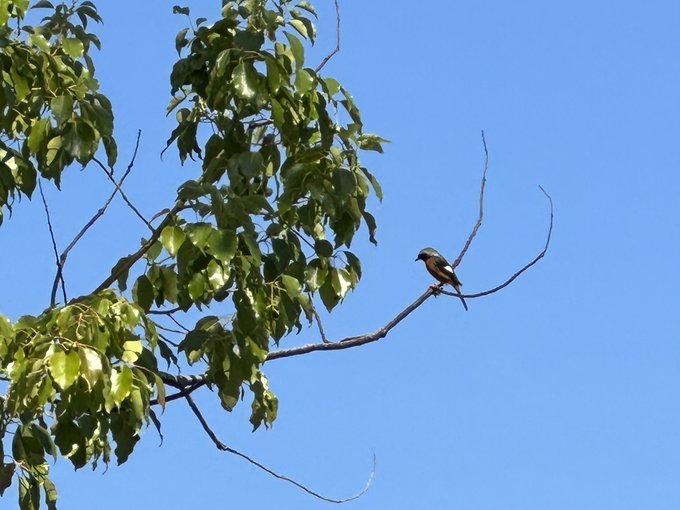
(560, 392)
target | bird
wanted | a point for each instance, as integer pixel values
(439, 267)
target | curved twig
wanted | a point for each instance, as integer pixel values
(337, 39)
(527, 266)
(473, 233)
(223, 447)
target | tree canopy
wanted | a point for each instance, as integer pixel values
(264, 227)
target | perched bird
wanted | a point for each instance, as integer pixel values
(439, 267)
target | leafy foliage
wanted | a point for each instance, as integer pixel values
(51, 113)
(273, 213)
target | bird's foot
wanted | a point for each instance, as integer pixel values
(436, 288)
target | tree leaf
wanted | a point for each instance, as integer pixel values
(223, 244)
(121, 384)
(172, 238)
(62, 109)
(143, 292)
(90, 365)
(63, 367)
(6, 474)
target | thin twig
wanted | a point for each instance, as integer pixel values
(337, 39)
(166, 339)
(164, 312)
(89, 224)
(130, 260)
(473, 233)
(518, 273)
(169, 330)
(318, 323)
(180, 394)
(59, 262)
(223, 447)
(186, 330)
(109, 174)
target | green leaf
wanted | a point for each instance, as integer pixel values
(36, 137)
(297, 49)
(370, 223)
(143, 292)
(304, 81)
(172, 238)
(196, 286)
(6, 474)
(371, 142)
(63, 367)
(90, 365)
(223, 244)
(199, 233)
(73, 47)
(292, 285)
(131, 350)
(62, 109)
(328, 295)
(323, 248)
(160, 395)
(39, 41)
(341, 281)
(177, 9)
(50, 494)
(181, 40)
(244, 80)
(121, 384)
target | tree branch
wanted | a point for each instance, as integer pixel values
(223, 447)
(355, 341)
(93, 220)
(473, 233)
(131, 259)
(109, 174)
(318, 323)
(523, 269)
(60, 264)
(337, 39)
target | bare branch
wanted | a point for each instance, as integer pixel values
(518, 273)
(353, 341)
(93, 220)
(473, 233)
(180, 394)
(109, 174)
(179, 324)
(59, 263)
(223, 447)
(164, 312)
(350, 342)
(169, 330)
(337, 39)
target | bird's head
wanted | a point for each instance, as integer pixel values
(426, 253)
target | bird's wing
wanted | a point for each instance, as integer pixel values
(446, 268)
